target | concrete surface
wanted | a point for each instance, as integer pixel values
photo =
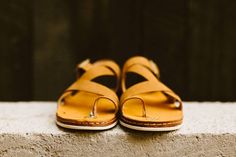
(28, 129)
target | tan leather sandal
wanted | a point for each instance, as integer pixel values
(148, 105)
(87, 104)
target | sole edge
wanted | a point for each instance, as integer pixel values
(77, 127)
(139, 128)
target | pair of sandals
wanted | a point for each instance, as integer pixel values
(146, 104)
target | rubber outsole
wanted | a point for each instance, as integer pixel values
(139, 128)
(76, 127)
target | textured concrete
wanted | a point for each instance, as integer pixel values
(28, 129)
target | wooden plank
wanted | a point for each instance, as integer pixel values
(227, 83)
(212, 50)
(126, 21)
(15, 50)
(105, 29)
(90, 28)
(165, 33)
(66, 32)
(54, 58)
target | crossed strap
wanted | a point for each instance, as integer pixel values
(150, 72)
(85, 83)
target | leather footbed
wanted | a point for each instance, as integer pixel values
(160, 111)
(76, 109)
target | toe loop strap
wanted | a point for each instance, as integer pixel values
(138, 98)
(93, 113)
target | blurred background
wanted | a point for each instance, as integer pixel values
(192, 41)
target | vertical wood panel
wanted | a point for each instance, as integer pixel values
(227, 81)
(126, 39)
(54, 60)
(105, 29)
(212, 50)
(165, 34)
(15, 50)
(90, 28)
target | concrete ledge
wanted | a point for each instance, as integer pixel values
(28, 129)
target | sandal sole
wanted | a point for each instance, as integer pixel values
(139, 128)
(77, 127)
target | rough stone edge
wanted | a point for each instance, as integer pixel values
(130, 144)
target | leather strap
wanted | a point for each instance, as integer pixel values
(141, 61)
(84, 83)
(146, 69)
(86, 65)
(109, 64)
(148, 86)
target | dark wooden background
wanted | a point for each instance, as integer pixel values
(193, 42)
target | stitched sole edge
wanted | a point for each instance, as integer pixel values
(77, 127)
(140, 128)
